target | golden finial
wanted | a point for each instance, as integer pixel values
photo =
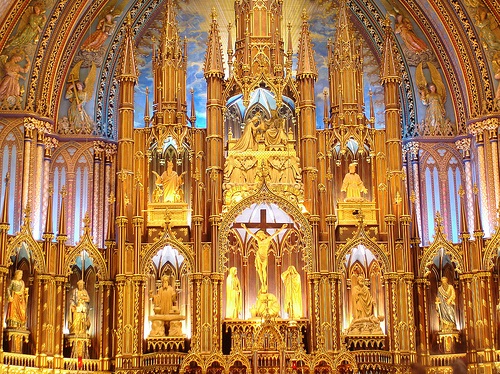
(413, 197)
(128, 19)
(398, 199)
(86, 220)
(27, 210)
(167, 217)
(439, 219)
(126, 199)
(461, 191)
(63, 192)
(50, 190)
(304, 16)
(213, 14)
(387, 21)
(111, 198)
(475, 190)
(122, 175)
(7, 177)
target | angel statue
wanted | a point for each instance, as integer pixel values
(433, 96)
(30, 27)
(105, 28)
(10, 74)
(79, 93)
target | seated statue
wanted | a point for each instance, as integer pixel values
(165, 297)
(171, 183)
(275, 134)
(353, 186)
(293, 292)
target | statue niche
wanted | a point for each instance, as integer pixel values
(365, 307)
(167, 295)
(354, 204)
(167, 188)
(265, 151)
(166, 310)
(265, 267)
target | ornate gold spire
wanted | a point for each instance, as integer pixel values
(61, 229)
(306, 65)
(464, 229)
(214, 65)
(48, 216)
(128, 66)
(478, 226)
(346, 53)
(259, 43)
(170, 41)
(390, 67)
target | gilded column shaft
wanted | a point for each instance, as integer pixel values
(38, 189)
(493, 136)
(3, 286)
(421, 286)
(60, 301)
(483, 186)
(97, 204)
(28, 139)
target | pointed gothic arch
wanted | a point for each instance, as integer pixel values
(264, 195)
(167, 238)
(26, 237)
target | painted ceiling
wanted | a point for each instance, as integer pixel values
(460, 38)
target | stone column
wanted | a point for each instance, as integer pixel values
(463, 145)
(97, 193)
(29, 126)
(50, 145)
(477, 129)
(493, 137)
(38, 175)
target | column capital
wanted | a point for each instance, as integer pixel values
(50, 144)
(464, 146)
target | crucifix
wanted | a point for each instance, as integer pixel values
(263, 240)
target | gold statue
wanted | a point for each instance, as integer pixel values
(17, 297)
(353, 185)
(445, 305)
(293, 292)
(171, 182)
(165, 297)
(79, 306)
(248, 140)
(263, 242)
(364, 321)
(233, 294)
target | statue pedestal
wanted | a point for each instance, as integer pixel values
(447, 340)
(348, 212)
(157, 340)
(79, 344)
(366, 333)
(15, 339)
(159, 321)
(178, 214)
